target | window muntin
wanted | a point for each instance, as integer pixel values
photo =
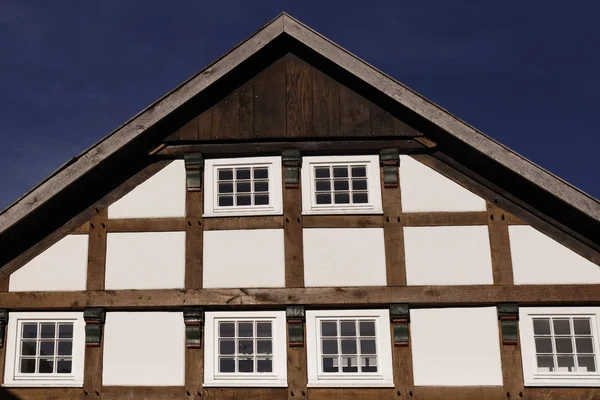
(348, 346)
(243, 186)
(341, 184)
(245, 346)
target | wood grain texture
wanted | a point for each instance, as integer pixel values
(226, 117)
(92, 371)
(393, 235)
(43, 393)
(189, 131)
(245, 393)
(382, 122)
(171, 224)
(297, 371)
(402, 364)
(458, 393)
(512, 368)
(499, 245)
(250, 222)
(97, 251)
(194, 240)
(326, 105)
(350, 394)
(83, 229)
(247, 109)
(354, 114)
(438, 296)
(205, 124)
(194, 373)
(562, 393)
(445, 218)
(142, 392)
(343, 221)
(293, 240)
(299, 97)
(269, 101)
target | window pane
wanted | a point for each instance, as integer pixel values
(225, 174)
(227, 365)
(565, 363)
(261, 173)
(30, 330)
(329, 346)
(263, 329)
(367, 346)
(360, 198)
(587, 363)
(65, 331)
(244, 200)
(65, 348)
(340, 172)
(261, 199)
(264, 347)
(225, 188)
(323, 186)
(28, 348)
(63, 366)
(245, 329)
(261, 186)
(27, 365)
(561, 327)
(349, 346)
(328, 328)
(543, 345)
(367, 328)
(368, 364)
(341, 185)
(243, 187)
(324, 198)
(584, 345)
(330, 364)
(545, 363)
(349, 364)
(46, 366)
(227, 347)
(322, 172)
(358, 172)
(246, 365)
(541, 326)
(348, 328)
(341, 198)
(359, 184)
(242, 173)
(582, 326)
(226, 329)
(564, 345)
(264, 365)
(246, 347)
(47, 348)
(225, 201)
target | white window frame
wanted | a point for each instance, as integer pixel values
(530, 374)
(309, 205)
(383, 378)
(12, 376)
(211, 205)
(212, 378)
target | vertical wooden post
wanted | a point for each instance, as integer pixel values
(296, 353)
(97, 251)
(401, 351)
(499, 245)
(510, 351)
(292, 216)
(94, 342)
(194, 352)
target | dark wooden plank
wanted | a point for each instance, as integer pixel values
(402, 364)
(459, 393)
(297, 372)
(445, 218)
(343, 221)
(229, 223)
(92, 371)
(512, 368)
(4, 284)
(142, 392)
(42, 393)
(566, 393)
(354, 114)
(247, 110)
(97, 251)
(226, 117)
(245, 393)
(171, 224)
(402, 129)
(382, 122)
(393, 235)
(194, 237)
(293, 240)
(269, 101)
(205, 124)
(350, 394)
(499, 245)
(326, 105)
(194, 373)
(189, 131)
(299, 97)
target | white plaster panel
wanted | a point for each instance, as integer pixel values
(243, 258)
(344, 257)
(63, 266)
(144, 349)
(448, 255)
(162, 195)
(538, 259)
(149, 260)
(456, 347)
(424, 189)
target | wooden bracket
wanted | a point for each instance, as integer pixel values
(94, 321)
(3, 323)
(389, 159)
(295, 320)
(400, 316)
(508, 314)
(193, 317)
(291, 160)
(194, 164)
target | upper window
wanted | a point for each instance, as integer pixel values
(341, 184)
(560, 346)
(245, 349)
(45, 349)
(242, 186)
(349, 348)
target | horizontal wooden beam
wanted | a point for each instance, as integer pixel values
(416, 296)
(445, 218)
(230, 223)
(146, 225)
(342, 221)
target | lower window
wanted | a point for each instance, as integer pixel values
(45, 349)
(560, 346)
(349, 348)
(245, 349)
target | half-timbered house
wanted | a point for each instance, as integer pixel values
(292, 223)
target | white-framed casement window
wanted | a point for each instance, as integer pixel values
(245, 349)
(559, 346)
(349, 348)
(45, 349)
(242, 186)
(341, 185)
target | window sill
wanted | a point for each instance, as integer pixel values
(333, 211)
(351, 383)
(246, 383)
(576, 382)
(240, 213)
(48, 383)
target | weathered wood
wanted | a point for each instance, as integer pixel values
(194, 239)
(343, 221)
(444, 218)
(459, 393)
(4, 284)
(299, 97)
(402, 364)
(194, 373)
(142, 392)
(393, 234)
(43, 393)
(226, 117)
(269, 101)
(189, 131)
(513, 220)
(469, 295)
(562, 393)
(247, 393)
(350, 394)
(247, 109)
(297, 371)
(512, 368)
(97, 251)
(499, 245)
(250, 222)
(382, 122)
(326, 105)
(293, 240)
(92, 371)
(82, 230)
(354, 114)
(171, 224)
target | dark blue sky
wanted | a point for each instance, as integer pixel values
(524, 72)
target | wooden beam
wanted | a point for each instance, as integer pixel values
(342, 221)
(48, 393)
(444, 218)
(459, 393)
(194, 239)
(402, 364)
(194, 373)
(293, 239)
(97, 251)
(142, 392)
(512, 367)
(416, 296)
(499, 245)
(567, 393)
(350, 393)
(393, 232)
(173, 224)
(251, 222)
